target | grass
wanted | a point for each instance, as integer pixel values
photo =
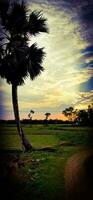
(46, 179)
(13, 141)
(45, 173)
(41, 136)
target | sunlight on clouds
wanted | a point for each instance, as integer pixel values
(58, 85)
(88, 60)
(84, 99)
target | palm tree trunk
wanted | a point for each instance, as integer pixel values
(25, 142)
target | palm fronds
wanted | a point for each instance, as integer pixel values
(37, 23)
(17, 18)
(35, 59)
(17, 59)
(4, 6)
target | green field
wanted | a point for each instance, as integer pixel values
(41, 136)
(43, 177)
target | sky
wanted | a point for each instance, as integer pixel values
(68, 76)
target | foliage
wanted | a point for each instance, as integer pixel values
(70, 113)
(46, 119)
(81, 117)
(47, 115)
(30, 114)
(85, 117)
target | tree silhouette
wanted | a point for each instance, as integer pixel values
(70, 113)
(90, 114)
(47, 116)
(17, 58)
(85, 117)
(30, 115)
(82, 117)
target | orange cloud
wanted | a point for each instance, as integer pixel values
(42, 116)
(58, 116)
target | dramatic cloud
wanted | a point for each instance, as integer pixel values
(84, 99)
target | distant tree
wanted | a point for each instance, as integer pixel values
(90, 114)
(82, 117)
(70, 113)
(85, 117)
(47, 116)
(30, 115)
(90, 122)
(17, 58)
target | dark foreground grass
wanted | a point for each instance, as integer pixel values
(41, 176)
(46, 180)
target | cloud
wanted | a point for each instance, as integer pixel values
(87, 86)
(83, 100)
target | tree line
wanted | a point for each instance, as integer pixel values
(80, 117)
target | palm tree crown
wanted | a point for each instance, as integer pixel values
(47, 115)
(17, 58)
(30, 113)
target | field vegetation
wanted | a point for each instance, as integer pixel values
(35, 174)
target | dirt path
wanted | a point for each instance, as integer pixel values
(79, 176)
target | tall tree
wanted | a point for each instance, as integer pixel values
(17, 58)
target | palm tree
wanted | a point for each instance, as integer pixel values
(30, 115)
(17, 58)
(47, 116)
